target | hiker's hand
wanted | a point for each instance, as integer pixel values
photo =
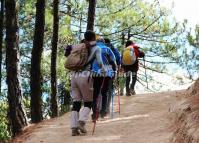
(121, 70)
(103, 70)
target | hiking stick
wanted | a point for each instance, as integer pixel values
(145, 73)
(112, 102)
(118, 91)
(98, 107)
(97, 114)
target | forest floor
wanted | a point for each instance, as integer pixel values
(144, 118)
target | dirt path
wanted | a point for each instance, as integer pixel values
(143, 119)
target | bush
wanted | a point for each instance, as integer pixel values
(4, 133)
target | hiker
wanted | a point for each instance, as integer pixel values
(101, 79)
(130, 64)
(111, 81)
(82, 83)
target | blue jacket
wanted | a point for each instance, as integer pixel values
(116, 53)
(107, 55)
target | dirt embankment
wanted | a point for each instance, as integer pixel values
(186, 121)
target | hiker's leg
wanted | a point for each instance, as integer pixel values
(76, 96)
(134, 79)
(121, 85)
(83, 116)
(104, 92)
(76, 106)
(128, 79)
(75, 118)
(110, 95)
(86, 87)
(75, 114)
(84, 113)
(97, 82)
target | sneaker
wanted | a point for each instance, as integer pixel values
(75, 132)
(81, 127)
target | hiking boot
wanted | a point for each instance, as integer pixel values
(103, 114)
(121, 93)
(81, 127)
(75, 132)
(93, 116)
(128, 94)
(133, 92)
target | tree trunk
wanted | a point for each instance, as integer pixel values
(35, 72)
(69, 7)
(1, 37)
(129, 34)
(91, 15)
(54, 104)
(123, 39)
(16, 114)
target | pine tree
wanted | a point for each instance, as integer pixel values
(54, 104)
(16, 113)
(1, 37)
(35, 72)
(91, 15)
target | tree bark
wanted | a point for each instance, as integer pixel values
(69, 7)
(129, 34)
(54, 104)
(123, 39)
(91, 14)
(1, 37)
(35, 72)
(16, 114)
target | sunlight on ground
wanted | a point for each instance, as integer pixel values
(125, 118)
(55, 126)
(108, 138)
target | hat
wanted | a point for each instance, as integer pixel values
(99, 38)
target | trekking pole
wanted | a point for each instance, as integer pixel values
(97, 115)
(118, 91)
(98, 107)
(145, 73)
(113, 102)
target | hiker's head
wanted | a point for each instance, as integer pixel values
(100, 39)
(107, 41)
(128, 43)
(89, 36)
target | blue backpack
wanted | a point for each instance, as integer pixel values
(107, 56)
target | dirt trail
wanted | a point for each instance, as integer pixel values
(143, 119)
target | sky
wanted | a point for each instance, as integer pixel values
(184, 9)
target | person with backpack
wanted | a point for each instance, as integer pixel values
(130, 64)
(101, 79)
(79, 61)
(111, 81)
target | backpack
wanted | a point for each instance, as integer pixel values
(117, 55)
(77, 59)
(128, 56)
